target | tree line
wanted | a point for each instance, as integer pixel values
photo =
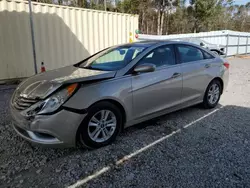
(164, 17)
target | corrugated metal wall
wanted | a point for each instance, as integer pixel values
(234, 42)
(63, 35)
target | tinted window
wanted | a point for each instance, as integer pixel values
(207, 55)
(160, 56)
(189, 53)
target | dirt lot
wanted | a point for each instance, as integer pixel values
(189, 148)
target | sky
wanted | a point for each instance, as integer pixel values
(241, 2)
(236, 2)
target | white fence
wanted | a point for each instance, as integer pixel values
(234, 42)
(63, 35)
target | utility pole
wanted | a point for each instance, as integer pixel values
(105, 5)
(32, 37)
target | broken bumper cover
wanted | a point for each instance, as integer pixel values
(54, 130)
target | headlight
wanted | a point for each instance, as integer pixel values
(52, 103)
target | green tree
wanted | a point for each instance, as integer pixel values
(174, 16)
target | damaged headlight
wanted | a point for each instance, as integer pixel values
(52, 103)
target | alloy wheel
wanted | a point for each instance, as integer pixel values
(213, 93)
(102, 126)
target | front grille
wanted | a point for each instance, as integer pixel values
(22, 103)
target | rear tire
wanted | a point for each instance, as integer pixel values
(212, 94)
(101, 126)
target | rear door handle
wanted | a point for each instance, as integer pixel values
(175, 75)
(207, 65)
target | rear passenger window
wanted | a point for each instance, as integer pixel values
(189, 53)
(207, 55)
(161, 56)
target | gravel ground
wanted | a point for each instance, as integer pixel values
(212, 151)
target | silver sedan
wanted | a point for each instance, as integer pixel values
(90, 102)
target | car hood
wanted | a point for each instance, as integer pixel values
(42, 85)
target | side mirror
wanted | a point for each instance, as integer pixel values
(147, 67)
(202, 44)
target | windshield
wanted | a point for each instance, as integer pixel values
(113, 58)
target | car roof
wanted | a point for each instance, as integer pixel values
(148, 43)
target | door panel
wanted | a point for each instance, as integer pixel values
(195, 79)
(156, 91)
(196, 72)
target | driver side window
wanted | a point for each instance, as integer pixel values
(161, 56)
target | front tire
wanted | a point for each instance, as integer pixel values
(212, 94)
(101, 126)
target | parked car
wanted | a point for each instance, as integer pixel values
(90, 102)
(215, 48)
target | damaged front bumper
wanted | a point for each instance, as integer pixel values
(55, 130)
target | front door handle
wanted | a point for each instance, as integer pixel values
(175, 75)
(207, 65)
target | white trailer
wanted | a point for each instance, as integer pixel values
(234, 42)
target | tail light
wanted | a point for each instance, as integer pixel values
(226, 65)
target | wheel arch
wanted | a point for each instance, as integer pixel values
(221, 82)
(116, 103)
